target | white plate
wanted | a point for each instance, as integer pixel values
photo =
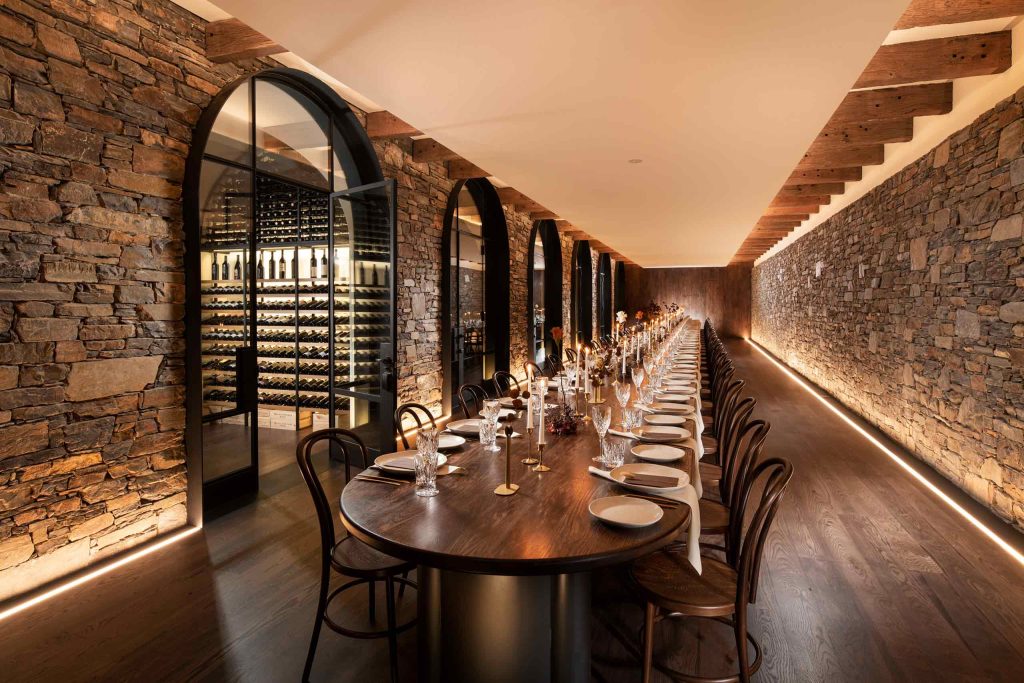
(677, 384)
(657, 452)
(674, 397)
(676, 420)
(446, 442)
(402, 462)
(619, 475)
(631, 513)
(469, 427)
(677, 408)
(661, 433)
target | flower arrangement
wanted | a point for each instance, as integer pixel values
(563, 418)
(557, 334)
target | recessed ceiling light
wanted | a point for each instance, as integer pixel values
(635, 161)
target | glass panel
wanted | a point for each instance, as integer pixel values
(225, 212)
(469, 316)
(291, 137)
(538, 299)
(231, 135)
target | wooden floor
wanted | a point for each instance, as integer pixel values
(868, 577)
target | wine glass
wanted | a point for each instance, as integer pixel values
(638, 376)
(622, 391)
(631, 419)
(491, 410)
(602, 416)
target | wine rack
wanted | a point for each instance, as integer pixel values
(293, 254)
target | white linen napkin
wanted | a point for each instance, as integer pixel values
(624, 435)
(687, 495)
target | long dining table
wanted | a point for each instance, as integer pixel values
(504, 581)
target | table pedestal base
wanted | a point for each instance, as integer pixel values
(503, 629)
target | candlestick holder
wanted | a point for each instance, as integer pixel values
(540, 466)
(597, 400)
(508, 488)
(529, 459)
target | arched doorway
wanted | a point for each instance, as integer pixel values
(290, 255)
(604, 295)
(475, 287)
(582, 293)
(544, 289)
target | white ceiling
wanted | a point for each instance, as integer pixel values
(720, 100)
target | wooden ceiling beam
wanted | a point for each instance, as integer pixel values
(543, 215)
(789, 210)
(936, 12)
(460, 169)
(815, 190)
(784, 201)
(843, 157)
(384, 124)
(229, 40)
(791, 217)
(813, 176)
(427, 149)
(510, 195)
(938, 59)
(865, 133)
(895, 103)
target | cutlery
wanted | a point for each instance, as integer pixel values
(381, 480)
(663, 502)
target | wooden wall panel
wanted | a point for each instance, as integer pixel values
(723, 294)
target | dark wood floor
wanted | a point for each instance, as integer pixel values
(868, 578)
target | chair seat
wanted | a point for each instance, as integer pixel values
(710, 473)
(714, 517)
(352, 557)
(667, 579)
(710, 444)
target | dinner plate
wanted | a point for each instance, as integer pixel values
(677, 384)
(446, 442)
(469, 427)
(657, 452)
(661, 433)
(631, 513)
(619, 475)
(678, 408)
(674, 397)
(403, 462)
(670, 420)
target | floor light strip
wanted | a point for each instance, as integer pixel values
(939, 493)
(85, 578)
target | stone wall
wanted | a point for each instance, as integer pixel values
(908, 306)
(97, 104)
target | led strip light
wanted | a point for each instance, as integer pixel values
(96, 573)
(939, 493)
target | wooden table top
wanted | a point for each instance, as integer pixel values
(545, 528)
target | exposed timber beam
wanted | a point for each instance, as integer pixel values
(786, 210)
(823, 175)
(815, 190)
(936, 12)
(428, 149)
(229, 40)
(460, 169)
(938, 59)
(895, 103)
(800, 201)
(865, 133)
(842, 157)
(384, 124)
(543, 215)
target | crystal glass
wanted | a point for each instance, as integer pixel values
(645, 394)
(426, 462)
(491, 409)
(638, 376)
(632, 418)
(489, 436)
(613, 453)
(622, 391)
(602, 416)
(648, 363)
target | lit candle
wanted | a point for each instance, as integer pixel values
(623, 360)
(542, 436)
(586, 371)
(636, 339)
(529, 404)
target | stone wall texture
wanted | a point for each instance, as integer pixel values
(908, 306)
(97, 104)
(98, 100)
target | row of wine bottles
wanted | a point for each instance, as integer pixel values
(302, 321)
(341, 304)
(277, 269)
(266, 398)
(368, 364)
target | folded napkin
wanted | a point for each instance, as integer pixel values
(624, 435)
(652, 480)
(687, 495)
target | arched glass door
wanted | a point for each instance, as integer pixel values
(539, 300)
(604, 295)
(472, 348)
(582, 294)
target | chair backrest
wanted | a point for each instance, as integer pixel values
(552, 366)
(530, 365)
(771, 476)
(339, 443)
(476, 393)
(570, 355)
(729, 442)
(416, 410)
(502, 381)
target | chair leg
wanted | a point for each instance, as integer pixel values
(740, 627)
(389, 588)
(401, 586)
(373, 600)
(321, 609)
(651, 610)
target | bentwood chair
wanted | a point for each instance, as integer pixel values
(712, 473)
(716, 517)
(503, 381)
(416, 411)
(552, 366)
(348, 556)
(530, 365)
(672, 588)
(476, 394)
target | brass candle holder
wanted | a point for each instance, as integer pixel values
(540, 466)
(529, 459)
(508, 488)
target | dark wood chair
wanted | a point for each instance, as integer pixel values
(715, 517)
(671, 588)
(415, 410)
(552, 366)
(476, 394)
(570, 355)
(503, 381)
(348, 556)
(530, 365)
(712, 473)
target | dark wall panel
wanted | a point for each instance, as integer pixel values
(723, 294)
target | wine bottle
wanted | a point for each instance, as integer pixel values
(259, 266)
(215, 271)
(273, 265)
(312, 264)
(224, 268)
(282, 265)
(375, 282)
(323, 265)
(238, 267)
(295, 273)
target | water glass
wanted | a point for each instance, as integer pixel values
(638, 377)
(489, 436)
(426, 462)
(602, 416)
(632, 418)
(622, 390)
(613, 453)
(646, 395)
